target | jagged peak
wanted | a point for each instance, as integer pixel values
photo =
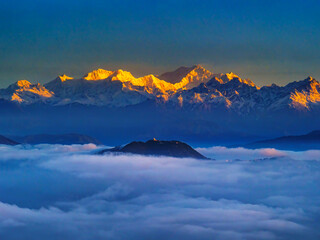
(231, 75)
(186, 69)
(180, 73)
(121, 75)
(101, 74)
(150, 76)
(184, 76)
(248, 82)
(303, 93)
(199, 69)
(302, 83)
(307, 81)
(311, 80)
(227, 77)
(64, 77)
(98, 74)
(198, 66)
(23, 84)
(25, 92)
(119, 71)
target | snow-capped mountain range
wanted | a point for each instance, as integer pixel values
(186, 87)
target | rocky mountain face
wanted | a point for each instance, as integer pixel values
(242, 96)
(187, 87)
(187, 77)
(24, 92)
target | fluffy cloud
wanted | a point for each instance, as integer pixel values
(240, 153)
(60, 192)
(23, 152)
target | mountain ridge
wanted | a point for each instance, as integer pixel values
(303, 142)
(185, 87)
(67, 139)
(7, 141)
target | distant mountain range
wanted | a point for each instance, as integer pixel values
(158, 148)
(7, 141)
(300, 142)
(186, 87)
(190, 103)
(66, 139)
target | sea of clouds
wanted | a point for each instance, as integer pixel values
(69, 192)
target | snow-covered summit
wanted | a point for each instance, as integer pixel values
(24, 92)
(187, 77)
(98, 74)
(186, 87)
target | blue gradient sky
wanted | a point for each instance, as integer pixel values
(266, 41)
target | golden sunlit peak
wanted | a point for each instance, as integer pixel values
(119, 71)
(64, 78)
(23, 83)
(122, 75)
(231, 75)
(98, 74)
(310, 78)
(200, 68)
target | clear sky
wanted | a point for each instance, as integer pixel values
(264, 40)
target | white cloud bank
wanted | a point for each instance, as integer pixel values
(240, 153)
(60, 192)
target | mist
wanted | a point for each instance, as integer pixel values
(69, 192)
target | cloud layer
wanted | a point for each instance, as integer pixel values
(68, 192)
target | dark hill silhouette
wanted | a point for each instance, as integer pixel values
(158, 148)
(7, 141)
(71, 138)
(297, 143)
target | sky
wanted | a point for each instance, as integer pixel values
(68, 192)
(267, 41)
